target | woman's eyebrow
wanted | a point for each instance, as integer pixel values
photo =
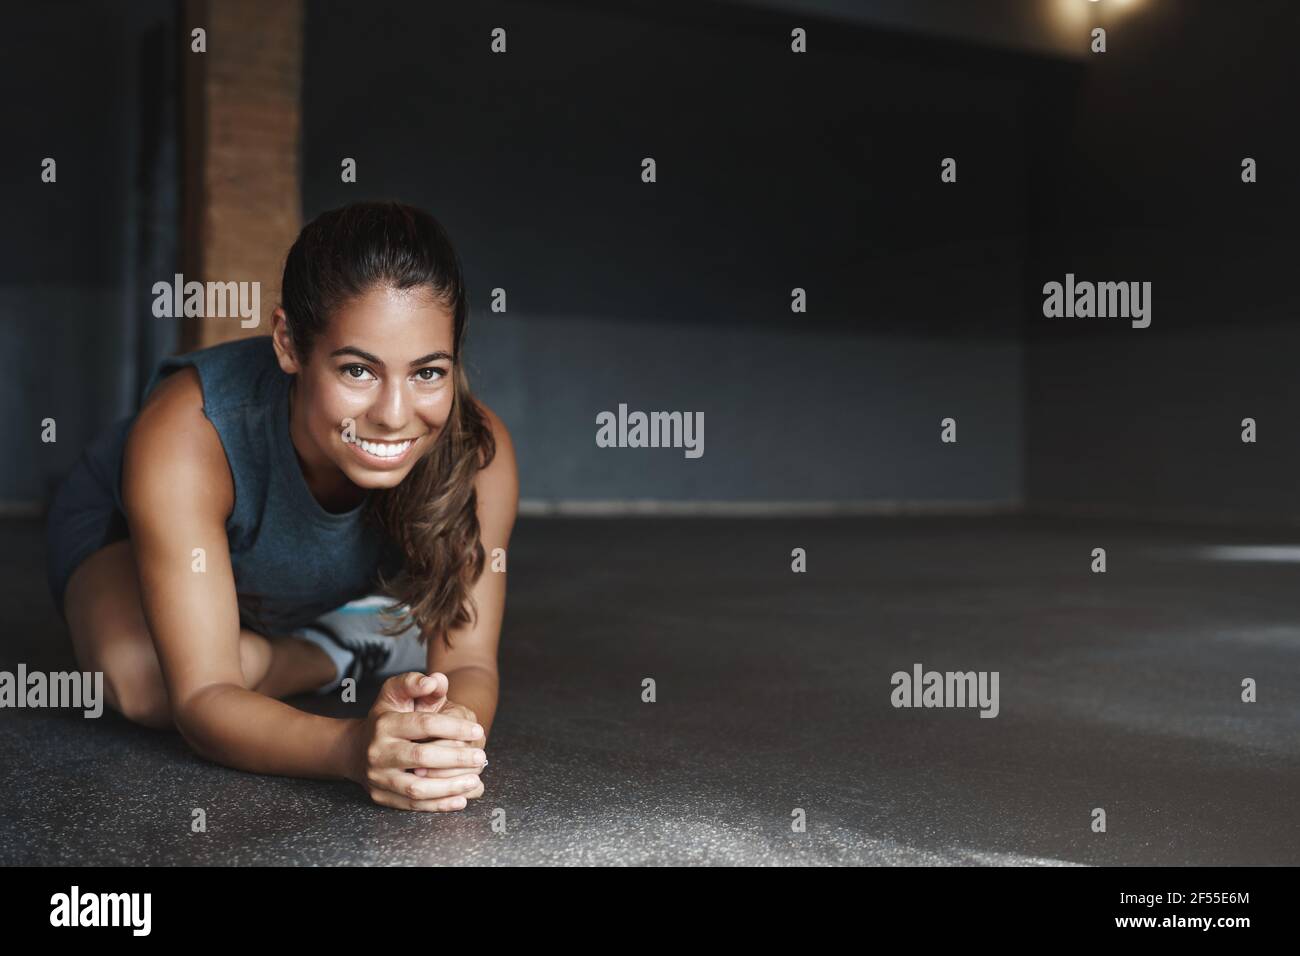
(376, 360)
(431, 357)
(351, 350)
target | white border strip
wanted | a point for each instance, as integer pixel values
(560, 508)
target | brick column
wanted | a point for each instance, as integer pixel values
(241, 197)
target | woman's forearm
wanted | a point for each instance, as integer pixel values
(241, 728)
(475, 687)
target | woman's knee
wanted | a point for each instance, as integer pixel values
(110, 635)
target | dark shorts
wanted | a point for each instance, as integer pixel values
(84, 515)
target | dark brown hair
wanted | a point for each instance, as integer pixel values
(432, 515)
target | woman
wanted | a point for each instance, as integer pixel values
(213, 554)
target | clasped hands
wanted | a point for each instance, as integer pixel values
(417, 749)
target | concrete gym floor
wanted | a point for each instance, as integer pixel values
(1118, 690)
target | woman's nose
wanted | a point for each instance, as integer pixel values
(390, 408)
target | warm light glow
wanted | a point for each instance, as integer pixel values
(1089, 13)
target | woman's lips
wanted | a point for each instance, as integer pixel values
(382, 454)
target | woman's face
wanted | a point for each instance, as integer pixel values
(375, 392)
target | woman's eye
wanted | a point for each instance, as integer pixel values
(356, 372)
(434, 374)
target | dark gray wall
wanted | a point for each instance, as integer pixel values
(1145, 185)
(775, 171)
(90, 85)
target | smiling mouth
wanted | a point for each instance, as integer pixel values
(385, 449)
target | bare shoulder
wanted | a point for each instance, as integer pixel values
(174, 458)
(497, 485)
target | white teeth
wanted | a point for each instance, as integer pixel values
(384, 449)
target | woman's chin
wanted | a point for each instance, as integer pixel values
(373, 480)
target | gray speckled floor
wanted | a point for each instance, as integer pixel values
(1119, 691)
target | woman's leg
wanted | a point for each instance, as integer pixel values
(109, 634)
(284, 666)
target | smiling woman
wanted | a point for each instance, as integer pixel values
(224, 547)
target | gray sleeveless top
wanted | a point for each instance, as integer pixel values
(292, 559)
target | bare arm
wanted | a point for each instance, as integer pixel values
(177, 492)
(471, 663)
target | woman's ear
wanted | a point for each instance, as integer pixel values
(283, 342)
